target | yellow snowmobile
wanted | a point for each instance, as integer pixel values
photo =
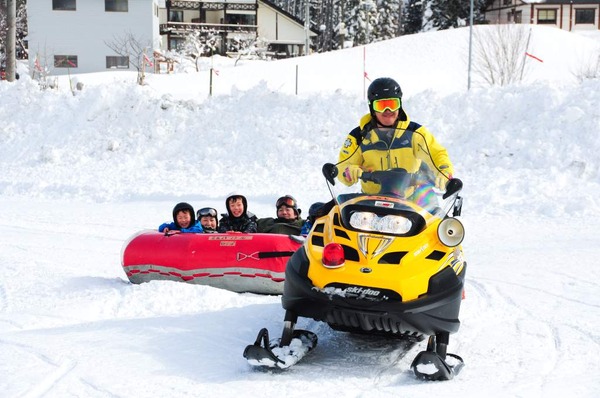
(384, 263)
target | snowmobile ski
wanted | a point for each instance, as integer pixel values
(265, 353)
(434, 363)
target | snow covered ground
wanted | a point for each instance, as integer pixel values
(81, 173)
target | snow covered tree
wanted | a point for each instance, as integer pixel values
(200, 43)
(387, 26)
(21, 29)
(326, 15)
(413, 17)
(367, 17)
(446, 14)
(250, 48)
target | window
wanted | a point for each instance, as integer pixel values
(240, 19)
(64, 5)
(175, 16)
(518, 16)
(547, 17)
(117, 62)
(116, 5)
(65, 61)
(176, 43)
(585, 15)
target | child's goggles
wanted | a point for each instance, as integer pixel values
(380, 105)
(207, 211)
(287, 201)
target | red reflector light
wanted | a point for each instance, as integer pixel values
(333, 255)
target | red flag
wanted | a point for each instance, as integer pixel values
(534, 57)
(148, 60)
(37, 64)
(71, 63)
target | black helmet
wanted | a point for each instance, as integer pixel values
(315, 211)
(383, 87)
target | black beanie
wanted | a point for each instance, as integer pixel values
(183, 206)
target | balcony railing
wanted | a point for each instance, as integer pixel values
(183, 27)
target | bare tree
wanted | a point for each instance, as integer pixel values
(588, 68)
(500, 53)
(249, 48)
(200, 43)
(135, 49)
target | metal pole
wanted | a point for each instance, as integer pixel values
(470, 43)
(11, 37)
(296, 79)
(306, 26)
(525, 55)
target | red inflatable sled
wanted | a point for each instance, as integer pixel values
(237, 262)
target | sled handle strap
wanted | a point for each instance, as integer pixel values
(274, 254)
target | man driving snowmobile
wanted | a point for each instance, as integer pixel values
(387, 139)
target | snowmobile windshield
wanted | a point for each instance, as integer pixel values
(418, 188)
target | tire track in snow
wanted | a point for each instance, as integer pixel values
(41, 388)
(397, 354)
(3, 299)
(539, 290)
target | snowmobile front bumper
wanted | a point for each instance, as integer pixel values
(434, 312)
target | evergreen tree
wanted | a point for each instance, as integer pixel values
(389, 20)
(446, 14)
(367, 16)
(413, 17)
(21, 8)
(350, 18)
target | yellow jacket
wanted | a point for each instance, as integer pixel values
(410, 145)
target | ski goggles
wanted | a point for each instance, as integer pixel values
(286, 201)
(207, 211)
(380, 105)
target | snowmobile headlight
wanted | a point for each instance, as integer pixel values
(394, 225)
(362, 220)
(390, 224)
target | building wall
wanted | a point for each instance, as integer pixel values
(502, 12)
(85, 31)
(275, 26)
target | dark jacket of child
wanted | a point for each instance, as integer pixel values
(280, 226)
(244, 223)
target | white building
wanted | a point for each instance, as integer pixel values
(570, 15)
(72, 35)
(82, 36)
(234, 19)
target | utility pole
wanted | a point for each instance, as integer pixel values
(306, 26)
(11, 38)
(470, 45)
